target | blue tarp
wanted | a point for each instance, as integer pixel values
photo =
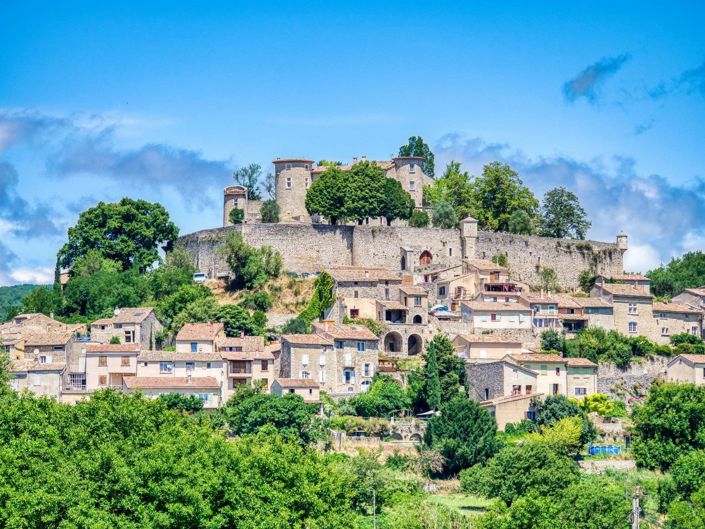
(610, 450)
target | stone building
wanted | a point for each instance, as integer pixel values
(500, 378)
(294, 176)
(496, 316)
(305, 388)
(205, 388)
(693, 297)
(598, 312)
(199, 337)
(632, 308)
(107, 365)
(129, 325)
(544, 311)
(341, 359)
(485, 347)
(358, 289)
(676, 318)
(247, 361)
(44, 380)
(236, 197)
(688, 368)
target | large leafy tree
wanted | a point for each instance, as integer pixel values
(249, 177)
(521, 223)
(554, 408)
(464, 433)
(670, 423)
(128, 232)
(499, 192)
(683, 272)
(384, 398)
(443, 215)
(432, 377)
(417, 147)
(395, 202)
(366, 188)
(251, 267)
(562, 216)
(454, 186)
(327, 195)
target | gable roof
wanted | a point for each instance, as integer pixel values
(620, 289)
(538, 357)
(496, 306)
(294, 383)
(625, 277)
(160, 356)
(413, 290)
(127, 315)
(360, 274)
(47, 338)
(132, 382)
(113, 348)
(248, 343)
(485, 265)
(675, 307)
(344, 331)
(488, 338)
(306, 339)
(689, 358)
(199, 332)
(581, 362)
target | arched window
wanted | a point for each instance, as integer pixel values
(418, 319)
(426, 258)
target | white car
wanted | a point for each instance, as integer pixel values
(199, 277)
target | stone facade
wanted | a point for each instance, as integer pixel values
(635, 379)
(309, 248)
(236, 197)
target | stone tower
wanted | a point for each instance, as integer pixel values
(233, 197)
(292, 178)
(622, 241)
(468, 237)
(408, 170)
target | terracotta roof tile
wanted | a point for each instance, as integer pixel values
(496, 306)
(692, 358)
(538, 357)
(297, 383)
(155, 356)
(199, 331)
(127, 315)
(413, 290)
(248, 343)
(113, 348)
(488, 338)
(48, 338)
(581, 362)
(247, 355)
(619, 289)
(675, 307)
(306, 339)
(485, 265)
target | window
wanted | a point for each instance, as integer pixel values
(558, 371)
(487, 394)
(493, 317)
(450, 252)
(58, 348)
(516, 390)
(304, 360)
(349, 376)
(194, 347)
(322, 360)
(190, 366)
(77, 380)
(321, 376)
(145, 364)
(204, 396)
(529, 389)
(632, 326)
(129, 336)
(102, 361)
(694, 331)
(166, 367)
(103, 380)
(412, 185)
(338, 344)
(441, 291)
(360, 347)
(306, 166)
(124, 361)
(43, 359)
(306, 183)
(417, 301)
(367, 371)
(356, 294)
(386, 293)
(664, 331)
(412, 167)
(305, 374)
(365, 385)
(581, 391)
(264, 365)
(632, 308)
(209, 365)
(288, 182)
(354, 313)
(287, 166)
(347, 359)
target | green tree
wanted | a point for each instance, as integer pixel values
(236, 319)
(586, 280)
(174, 304)
(443, 215)
(519, 470)
(521, 223)
(257, 301)
(433, 381)
(296, 325)
(690, 514)
(419, 219)
(290, 415)
(417, 147)
(384, 398)
(454, 186)
(669, 423)
(251, 267)
(562, 216)
(548, 278)
(249, 177)
(463, 432)
(96, 296)
(554, 408)
(327, 195)
(687, 338)
(499, 192)
(683, 272)
(176, 272)
(177, 401)
(365, 191)
(236, 216)
(687, 473)
(129, 232)
(395, 203)
(270, 212)
(552, 340)
(44, 300)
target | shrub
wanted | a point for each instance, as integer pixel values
(270, 211)
(419, 219)
(257, 301)
(236, 215)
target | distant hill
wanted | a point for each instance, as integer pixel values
(11, 296)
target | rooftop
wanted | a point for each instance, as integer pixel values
(247, 343)
(496, 306)
(488, 338)
(344, 332)
(132, 382)
(581, 362)
(294, 383)
(485, 265)
(626, 277)
(159, 356)
(675, 307)
(127, 315)
(306, 339)
(362, 274)
(199, 332)
(538, 357)
(47, 338)
(113, 348)
(413, 290)
(620, 289)
(690, 358)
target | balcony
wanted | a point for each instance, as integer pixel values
(240, 369)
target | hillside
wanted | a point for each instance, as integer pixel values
(12, 296)
(289, 294)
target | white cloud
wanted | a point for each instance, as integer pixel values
(37, 276)
(641, 258)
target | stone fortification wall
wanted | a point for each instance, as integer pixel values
(527, 255)
(633, 380)
(313, 247)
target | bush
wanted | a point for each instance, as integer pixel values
(384, 398)
(270, 211)
(557, 407)
(236, 215)
(296, 326)
(257, 301)
(419, 219)
(443, 215)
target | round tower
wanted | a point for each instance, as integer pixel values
(408, 170)
(292, 177)
(622, 241)
(233, 197)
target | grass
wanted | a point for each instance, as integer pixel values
(463, 503)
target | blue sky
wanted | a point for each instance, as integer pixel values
(162, 100)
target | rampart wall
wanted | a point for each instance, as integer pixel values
(313, 247)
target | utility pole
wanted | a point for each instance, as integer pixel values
(636, 509)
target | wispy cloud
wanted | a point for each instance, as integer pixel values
(661, 219)
(691, 81)
(588, 82)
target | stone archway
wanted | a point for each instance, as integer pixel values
(415, 345)
(393, 343)
(426, 258)
(418, 319)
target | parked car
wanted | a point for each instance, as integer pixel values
(199, 277)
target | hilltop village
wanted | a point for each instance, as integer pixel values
(394, 288)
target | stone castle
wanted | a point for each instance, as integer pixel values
(309, 247)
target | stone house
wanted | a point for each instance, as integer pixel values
(598, 312)
(44, 380)
(510, 409)
(341, 358)
(205, 388)
(571, 313)
(485, 347)
(236, 197)
(544, 311)
(676, 318)
(688, 368)
(636, 280)
(500, 378)
(199, 337)
(293, 177)
(496, 316)
(106, 366)
(693, 297)
(581, 377)
(632, 308)
(12, 344)
(169, 364)
(358, 289)
(406, 321)
(572, 377)
(130, 325)
(247, 361)
(306, 388)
